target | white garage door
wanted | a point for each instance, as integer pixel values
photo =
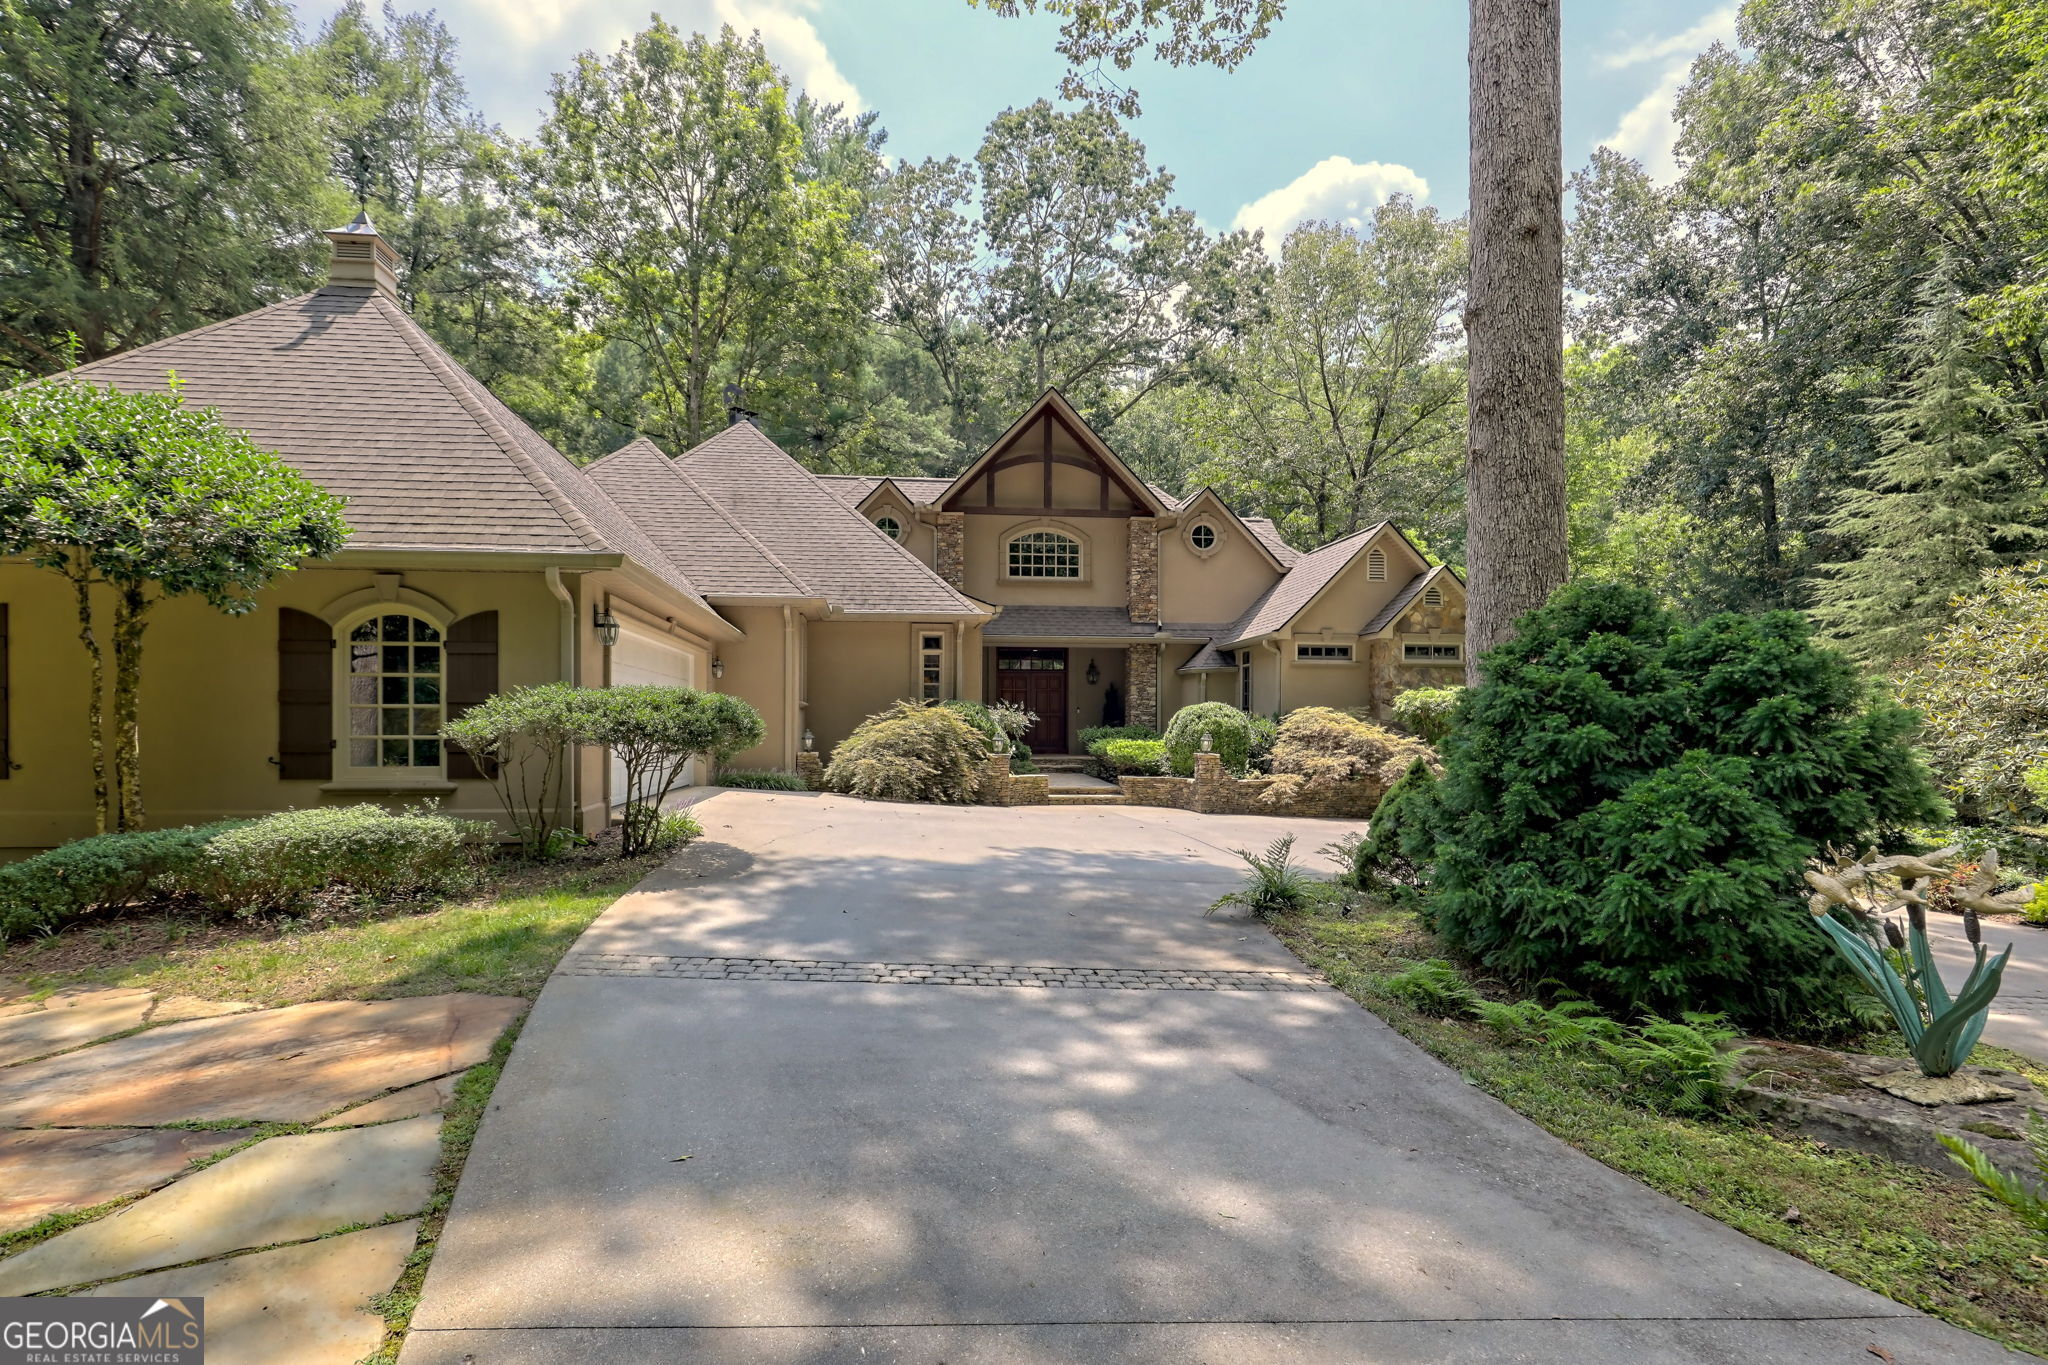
(643, 657)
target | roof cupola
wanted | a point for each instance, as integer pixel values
(362, 257)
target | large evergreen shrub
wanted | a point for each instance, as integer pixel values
(1628, 802)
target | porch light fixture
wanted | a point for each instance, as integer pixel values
(607, 626)
(718, 668)
(810, 740)
(1208, 742)
(1094, 673)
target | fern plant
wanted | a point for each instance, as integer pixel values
(1435, 988)
(2024, 1199)
(1276, 886)
(1680, 1066)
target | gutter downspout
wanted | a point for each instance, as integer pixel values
(572, 783)
(792, 720)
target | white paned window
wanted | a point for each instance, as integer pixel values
(1413, 652)
(931, 665)
(1044, 554)
(393, 690)
(890, 527)
(1203, 536)
(1328, 654)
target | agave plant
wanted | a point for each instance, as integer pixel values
(1939, 1028)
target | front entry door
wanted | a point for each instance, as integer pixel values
(1036, 679)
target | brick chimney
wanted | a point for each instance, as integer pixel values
(363, 258)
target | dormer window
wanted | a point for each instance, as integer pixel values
(1043, 554)
(889, 527)
(1203, 536)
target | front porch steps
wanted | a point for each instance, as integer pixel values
(1084, 798)
(1061, 763)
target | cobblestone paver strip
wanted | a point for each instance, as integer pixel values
(931, 973)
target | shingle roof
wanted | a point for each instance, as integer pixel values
(1087, 623)
(354, 395)
(813, 533)
(725, 559)
(1269, 536)
(1307, 576)
(1209, 657)
(854, 488)
(1390, 613)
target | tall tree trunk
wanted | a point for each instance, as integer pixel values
(96, 695)
(1514, 473)
(128, 623)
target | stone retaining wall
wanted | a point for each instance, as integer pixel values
(1211, 791)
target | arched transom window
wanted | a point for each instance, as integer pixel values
(1044, 554)
(393, 665)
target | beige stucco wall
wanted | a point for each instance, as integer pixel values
(209, 696)
(857, 669)
(918, 536)
(1104, 560)
(756, 670)
(1218, 587)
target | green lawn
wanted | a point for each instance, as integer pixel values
(502, 941)
(1937, 1245)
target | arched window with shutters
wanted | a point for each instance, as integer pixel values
(393, 664)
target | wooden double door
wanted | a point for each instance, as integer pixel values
(1036, 679)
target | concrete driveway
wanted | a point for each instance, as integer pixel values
(794, 1101)
(2018, 1018)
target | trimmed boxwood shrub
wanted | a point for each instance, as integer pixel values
(281, 861)
(910, 752)
(1138, 757)
(1099, 734)
(1229, 729)
(104, 872)
(1628, 802)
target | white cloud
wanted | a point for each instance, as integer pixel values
(1647, 132)
(510, 48)
(1335, 189)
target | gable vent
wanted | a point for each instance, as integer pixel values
(1376, 565)
(1434, 597)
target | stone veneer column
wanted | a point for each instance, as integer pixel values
(1144, 570)
(811, 768)
(950, 530)
(1141, 684)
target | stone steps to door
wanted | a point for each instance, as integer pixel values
(1061, 763)
(1060, 798)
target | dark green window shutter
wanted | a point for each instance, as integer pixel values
(472, 649)
(305, 696)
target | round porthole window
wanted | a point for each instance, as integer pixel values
(890, 527)
(1203, 537)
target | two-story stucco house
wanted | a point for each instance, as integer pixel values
(1047, 574)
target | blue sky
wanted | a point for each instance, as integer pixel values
(1348, 101)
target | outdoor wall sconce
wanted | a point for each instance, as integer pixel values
(1094, 673)
(607, 626)
(718, 668)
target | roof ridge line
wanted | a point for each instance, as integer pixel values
(442, 369)
(796, 579)
(841, 503)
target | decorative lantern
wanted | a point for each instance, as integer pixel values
(810, 740)
(1094, 673)
(718, 668)
(607, 627)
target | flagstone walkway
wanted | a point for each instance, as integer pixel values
(234, 1146)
